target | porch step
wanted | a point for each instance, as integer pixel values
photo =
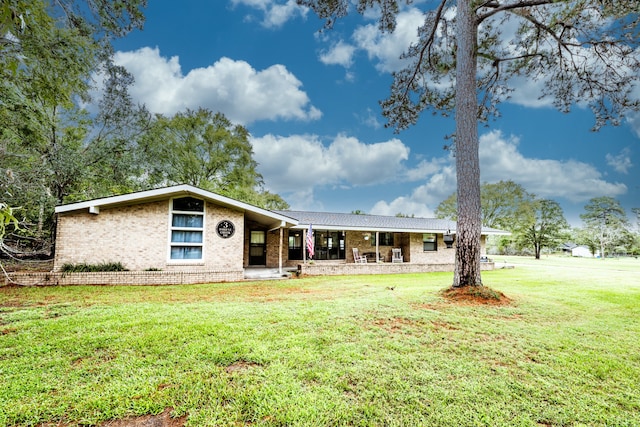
(257, 273)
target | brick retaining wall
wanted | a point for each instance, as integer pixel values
(126, 278)
(334, 269)
(194, 277)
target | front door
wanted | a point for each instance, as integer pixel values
(257, 248)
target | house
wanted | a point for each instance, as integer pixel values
(581, 251)
(567, 247)
(183, 234)
(576, 250)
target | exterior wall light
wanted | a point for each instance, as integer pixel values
(448, 239)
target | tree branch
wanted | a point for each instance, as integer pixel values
(497, 8)
(426, 47)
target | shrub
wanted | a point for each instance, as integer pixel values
(90, 268)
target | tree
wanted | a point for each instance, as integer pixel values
(48, 52)
(541, 225)
(206, 150)
(585, 237)
(581, 51)
(500, 204)
(607, 220)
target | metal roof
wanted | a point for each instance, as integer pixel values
(281, 218)
(346, 221)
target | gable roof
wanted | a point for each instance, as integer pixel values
(345, 221)
(252, 212)
(279, 218)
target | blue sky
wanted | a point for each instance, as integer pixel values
(310, 100)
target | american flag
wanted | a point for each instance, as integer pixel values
(310, 241)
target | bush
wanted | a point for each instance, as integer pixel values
(91, 268)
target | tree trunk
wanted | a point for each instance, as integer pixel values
(467, 267)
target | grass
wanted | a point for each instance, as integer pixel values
(331, 351)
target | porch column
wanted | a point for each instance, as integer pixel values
(377, 247)
(280, 251)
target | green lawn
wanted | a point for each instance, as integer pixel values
(331, 351)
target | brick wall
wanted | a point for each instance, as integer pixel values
(273, 246)
(138, 237)
(356, 239)
(125, 278)
(333, 269)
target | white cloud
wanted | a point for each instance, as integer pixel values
(386, 48)
(276, 13)
(621, 162)
(369, 119)
(427, 168)
(403, 205)
(232, 87)
(527, 92)
(633, 119)
(571, 179)
(500, 159)
(300, 163)
(339, 53)
(425, 198)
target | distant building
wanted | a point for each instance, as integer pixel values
(581, 251)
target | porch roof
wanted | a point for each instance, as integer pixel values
(355, 222)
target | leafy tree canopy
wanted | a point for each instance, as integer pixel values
(204, 149)
(48, 52)
(541, 224)
(501, 203)
(607, 220)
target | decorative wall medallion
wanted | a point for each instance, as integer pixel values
(225, 229)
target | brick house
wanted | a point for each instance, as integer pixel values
(183, 234)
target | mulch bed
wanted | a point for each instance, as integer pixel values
(475, 295)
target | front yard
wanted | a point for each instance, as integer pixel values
(363, 350)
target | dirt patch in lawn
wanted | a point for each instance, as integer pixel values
(241, 366)
(475, 295)
(161, 420)
(401, 325)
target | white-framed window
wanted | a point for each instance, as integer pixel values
(187, 229)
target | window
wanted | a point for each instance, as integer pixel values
(386, 239)
(328, 245)
(429, 242)
(187, 229)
